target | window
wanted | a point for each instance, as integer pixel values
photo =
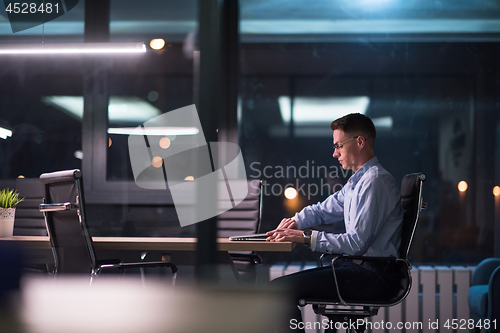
(432, 108)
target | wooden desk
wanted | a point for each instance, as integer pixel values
(180, 251)
(153, 244)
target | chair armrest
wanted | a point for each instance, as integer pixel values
(323, 255)
(125, 265)
(364, 258)
(108, 262)
(59, 207)
(172, 266)
(247, 257)
(484, 271)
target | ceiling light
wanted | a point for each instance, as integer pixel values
(121, 109)
(290, 193)
(72, 48)
(5, 133)
(383, 122)
(462, 186)
(496, 191)
(308, 110)
(157, 44)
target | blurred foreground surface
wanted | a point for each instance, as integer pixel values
(114, 304)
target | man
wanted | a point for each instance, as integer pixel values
(369, 206)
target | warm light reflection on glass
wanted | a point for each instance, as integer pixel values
(157, 161)
(110, 142)
(496, 191)
(165, 143)
(290, 193)
(462, 186)
(157, 44)
(189, 178)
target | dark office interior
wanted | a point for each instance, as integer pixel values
(427, 72)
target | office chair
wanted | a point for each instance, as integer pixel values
(243, 219)
(412, 203)
(484, 295)
(29, 220)
(72, 245)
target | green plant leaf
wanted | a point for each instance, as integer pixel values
(9, 198)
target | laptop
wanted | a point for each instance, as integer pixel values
(254, 237)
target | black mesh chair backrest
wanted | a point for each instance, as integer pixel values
(71, 242)
(244, 218)
(411, 202)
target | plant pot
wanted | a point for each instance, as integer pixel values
(7, 221)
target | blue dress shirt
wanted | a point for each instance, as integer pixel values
(369, 205)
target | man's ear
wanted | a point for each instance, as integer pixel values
(361, 141)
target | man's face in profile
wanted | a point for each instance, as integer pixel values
(346, 150)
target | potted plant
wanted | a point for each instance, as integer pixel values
(8, 202)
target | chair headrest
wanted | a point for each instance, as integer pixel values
(60, 176)
(410, 184)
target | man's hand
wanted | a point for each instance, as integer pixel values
(285, 235)
(287, 223)
(286, 232)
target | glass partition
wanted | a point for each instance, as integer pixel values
(42, 135)
(426, 72)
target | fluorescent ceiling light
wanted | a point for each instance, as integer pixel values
(5, 133)
(161, 131)
(72, 48)
(314, 110)
(369, 26)
(383, 122)
(120, 109)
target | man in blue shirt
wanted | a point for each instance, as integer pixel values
(369, 206)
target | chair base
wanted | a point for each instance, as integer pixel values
(350, 319)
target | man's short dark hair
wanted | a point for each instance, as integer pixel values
(356, 123)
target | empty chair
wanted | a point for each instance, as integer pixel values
(243, 219)
(29, 220)
(72, 245)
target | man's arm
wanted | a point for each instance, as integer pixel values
(328, 211)
(374, 217)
